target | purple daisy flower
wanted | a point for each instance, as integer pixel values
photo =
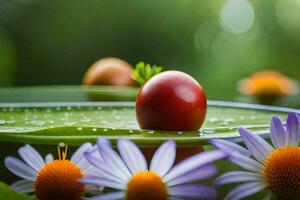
(129, 174)
(275, 167)
(49, 178)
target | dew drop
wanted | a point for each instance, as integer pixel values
(11, 121)
(2, 121)
(85, 119)
(229, 120)
(79, 128)
(105, 130)
(179, 132)
(94, 129)
(151, 131)
(70, 123)
(37, 122)
(208, 131)
(213, 119)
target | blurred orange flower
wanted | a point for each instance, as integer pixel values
(268, 84)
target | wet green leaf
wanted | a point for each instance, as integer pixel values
(74, 123)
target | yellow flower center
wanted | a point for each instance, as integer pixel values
(147, 186)
(59, 179)
(282, 171)
(267, 83)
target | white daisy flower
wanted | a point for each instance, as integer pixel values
(275, 167)
(49, 178)
(128, 173)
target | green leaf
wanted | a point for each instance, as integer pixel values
(144, 72)
(8, 194)
(75, 123)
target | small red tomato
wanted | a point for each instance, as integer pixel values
(172, 101)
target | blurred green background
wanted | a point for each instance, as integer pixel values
(45, 42)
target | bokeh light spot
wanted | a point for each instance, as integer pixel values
(237, 16)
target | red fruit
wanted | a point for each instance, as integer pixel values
(172, 101)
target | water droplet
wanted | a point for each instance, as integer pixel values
(179, 132)
(94, 129)
(224, 123)
(208, 131)
(11, 121)
(151, 131)
(229, 120)
(85, 119)
(51, 121)
(37, 122)
(58, 108)
(70, 123)
(79, 128)
(105, 130)
(130, 131)
(99, 108)
(2, 121)
(213, 119)
(69, 108)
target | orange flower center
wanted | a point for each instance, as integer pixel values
(59, 180)
(147, 186)
(267, 83)
(282, 171)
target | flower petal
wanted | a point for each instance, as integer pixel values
(238, 176)
(110, 196)
(194, 162)
(229, 147)
(19, 168)
(25, 186)
(164, 157)
(103, 170)
(49, 158)
(78, 154)
(102, 181)
(293, 130)
(259, 148)
(31, 157)
(132, 156)
(193, 191)
(246, 162)
(245, 190)
(112, 160)
(277, 132)
(194, 175)
(79, 159)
